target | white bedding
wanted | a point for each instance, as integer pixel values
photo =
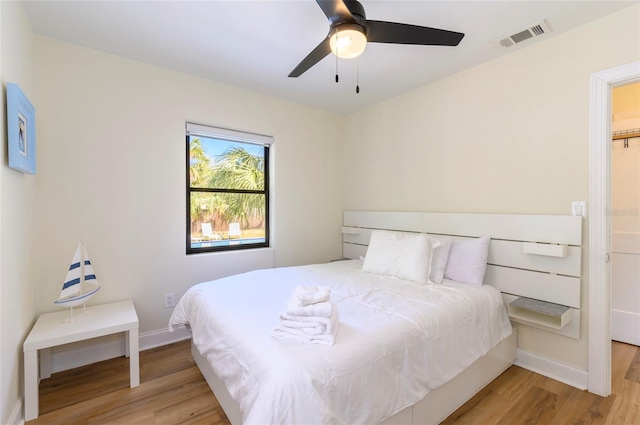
(397, 341)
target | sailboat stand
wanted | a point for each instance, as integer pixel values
(71, 318)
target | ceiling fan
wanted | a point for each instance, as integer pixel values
(350, 30)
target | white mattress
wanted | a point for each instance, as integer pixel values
(397, 341)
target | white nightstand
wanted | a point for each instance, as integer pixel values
(50, 331)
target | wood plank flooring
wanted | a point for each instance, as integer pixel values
(173, 392)
(522, 397)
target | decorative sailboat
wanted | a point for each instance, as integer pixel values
(80, 283)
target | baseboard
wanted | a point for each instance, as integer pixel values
(16, 417)
(153, 339)
(92, 353)
(553, 369)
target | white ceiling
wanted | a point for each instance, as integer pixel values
(255, 44)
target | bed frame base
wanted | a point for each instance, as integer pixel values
(230, 407)
(431, 410)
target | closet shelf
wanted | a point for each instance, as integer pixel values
(541, 312)
(625, 134)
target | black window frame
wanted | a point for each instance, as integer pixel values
(236, 137)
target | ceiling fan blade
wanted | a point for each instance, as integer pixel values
(391, 32)
(316, 55)
(334, 9)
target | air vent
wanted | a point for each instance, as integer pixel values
(535, 30)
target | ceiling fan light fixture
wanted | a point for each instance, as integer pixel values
(350, 31)
(347, 41)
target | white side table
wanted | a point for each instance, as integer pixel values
(50, 331)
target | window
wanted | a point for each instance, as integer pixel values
(227, 189)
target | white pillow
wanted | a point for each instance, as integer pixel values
(439, 259)
(468, 260)
(399, 254)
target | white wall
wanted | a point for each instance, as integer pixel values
(111, 158)
(508, 136)
(17, 191)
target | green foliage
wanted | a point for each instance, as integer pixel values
(238, 169)
(199, 164)
(234, 169)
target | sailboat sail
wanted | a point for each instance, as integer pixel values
(80, 283)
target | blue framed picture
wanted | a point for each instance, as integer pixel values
(21, 129)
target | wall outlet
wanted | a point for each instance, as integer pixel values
(169, 300)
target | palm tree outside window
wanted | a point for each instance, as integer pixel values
(227, 189)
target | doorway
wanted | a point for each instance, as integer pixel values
(625, 214)
(600, 222)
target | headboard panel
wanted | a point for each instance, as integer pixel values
(558, 229)
(533, 256)
(506, 253)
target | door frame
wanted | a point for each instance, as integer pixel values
(599, 363)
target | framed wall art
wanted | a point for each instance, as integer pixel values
(21, 129)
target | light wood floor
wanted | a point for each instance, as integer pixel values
(522, 397)
(172, 392)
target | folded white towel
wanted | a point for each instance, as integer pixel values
(322, 309)
(306, 295)
(294, 334)
(283, 334)
(310, 325)
(301, 328)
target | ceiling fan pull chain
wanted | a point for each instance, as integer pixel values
(358, 76)
(336, 62)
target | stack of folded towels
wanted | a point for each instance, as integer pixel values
(310, 317)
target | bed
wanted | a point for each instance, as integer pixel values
(405, 352)
(397, 340)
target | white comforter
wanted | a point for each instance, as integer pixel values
(397, 341)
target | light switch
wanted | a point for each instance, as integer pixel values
(579, 208)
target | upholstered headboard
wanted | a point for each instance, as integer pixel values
(537, 257)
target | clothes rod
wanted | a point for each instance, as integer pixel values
(625, 135)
